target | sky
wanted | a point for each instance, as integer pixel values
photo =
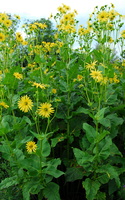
(43, 8)
(36, 9)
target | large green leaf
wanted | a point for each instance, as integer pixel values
(82, 157)
(103, 148)
(33, 186)
(51, 168)
(90, 132)
(112, 186)
(111, 171)
(100, 114)
(102, 135)
(7, 182)
(74, 173)
(32, 165)
(103, 178)
(85, 111)
(46, 149)
(57, 139)
(91, 188)
(51, 192)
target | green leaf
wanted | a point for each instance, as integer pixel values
(111, 171)
(112, 186)
(90, 132)
(38, 136)
(91, 188)
(51, 170)
(21, 173)
(102, 135)
(57, 139)
(101, 195)
(73, 70)
(33, 186)
(104, 148)
(114, 150)
(85, 111)
(103, 178)
(32, 165)
(111, 97)
(85, 142)
(105, 122)
(15, 100)
(73, 174)
(51, 192)
(27, 120)
(82, 157)
(19, 154)
(63, 86)
(7, 182)
(5, 150)
(100, 114)
(46, 149)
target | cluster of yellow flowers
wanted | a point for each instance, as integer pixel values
(66, 21)
(98, 76)
(25, 104)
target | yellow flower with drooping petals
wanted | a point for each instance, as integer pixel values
(18, 75)
(4, 104)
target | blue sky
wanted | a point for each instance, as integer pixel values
(28, 9)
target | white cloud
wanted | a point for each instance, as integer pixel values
(40, 8)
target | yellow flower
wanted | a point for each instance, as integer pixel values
(96, 75)
(67, 8)
(25, 104)
(19, 37)
(3, 104)
(42, 86)
(45, 110)
(53, 64)
(60, 9)
(103, 16)
(24, 43)
(17, 16)
(54, 91)
(67, 17)
(75, 11)
(51, 16)
(8, 22)
(112, 5)
(2, 37)
(31, 146)
(74, 80)
(18, 75)
(46, 71)
(79, 77)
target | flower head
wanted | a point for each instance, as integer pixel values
(3, 104)
(45, 110)
(25, 104)
(54, 91)
(18, 75)
(19, 37)
(79, 77)
(2, 37)
(8, 22)
(31, 146)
